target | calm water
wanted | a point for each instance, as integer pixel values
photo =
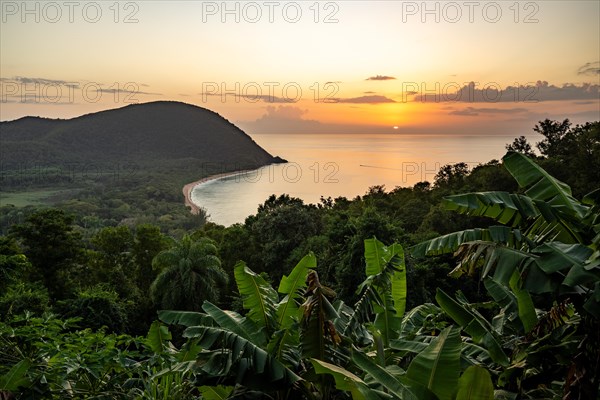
(340, 165)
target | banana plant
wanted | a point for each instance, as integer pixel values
(434, 363)
(268, 347)
(434, 373)
(168, 373)
(551, 240)
(542, 268)
(386, 286)
(263, 349)
(383, 297)
(235, 348)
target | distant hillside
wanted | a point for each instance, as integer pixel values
(150, 134)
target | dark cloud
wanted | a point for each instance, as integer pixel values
(30, 101)
(368, 99)
(265, 98)
(268, 99)
(493, 93)
(43, 82)
(473, 111)
(380, 78)
(372, 99)
(468, 112)
(134, 92)
(39, 81)
(591, 69)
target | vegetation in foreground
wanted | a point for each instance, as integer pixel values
(516, 318)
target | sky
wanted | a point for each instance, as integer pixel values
(434, 67)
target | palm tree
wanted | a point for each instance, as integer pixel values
(190, 273)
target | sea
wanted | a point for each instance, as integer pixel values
(334, 165)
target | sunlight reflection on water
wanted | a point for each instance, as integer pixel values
(340, 165)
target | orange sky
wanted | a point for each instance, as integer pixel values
(344, 66)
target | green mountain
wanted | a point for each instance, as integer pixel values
(151, 135)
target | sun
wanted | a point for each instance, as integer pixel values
(395, 127)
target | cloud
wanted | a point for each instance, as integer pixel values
(467, 112)
(268, 99)
(380, 78)
(283, 113)
(44, 90)
(493, 93)
(38, 101)
(113, 91)
(250, 98)
(286, 119)
(473, 111)
(591, 69)
(371, 99)
(40, 81)
(282, 119)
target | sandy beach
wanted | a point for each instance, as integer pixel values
(187, 189)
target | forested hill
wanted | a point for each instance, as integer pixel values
(147, 134)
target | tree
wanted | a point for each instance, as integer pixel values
(52, 245)
(490, 176)
(281, 225)
(113, 261)
(13, 262)
(572, 154)
(451, 176)
(21, 298)
(554, 133)
(584, 157)
(148, 242)
(97, 307)
(349, 262)
(190, 273)
(521, 145)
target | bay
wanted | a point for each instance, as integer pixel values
(333, 165)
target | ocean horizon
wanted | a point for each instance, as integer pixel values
(334, 165)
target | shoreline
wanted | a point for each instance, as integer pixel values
(187, 189)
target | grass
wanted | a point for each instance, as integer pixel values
(30, 198)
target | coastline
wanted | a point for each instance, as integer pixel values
(187, 189)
